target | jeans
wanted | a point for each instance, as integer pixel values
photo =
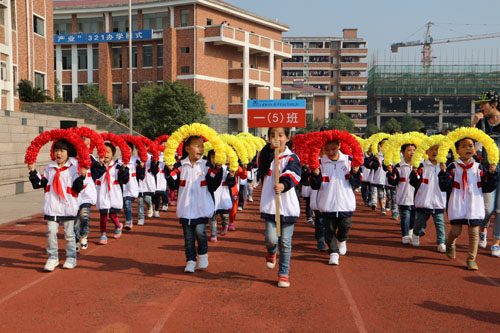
(336, 229)
(365, 192)
(140, 205)
(455, 231)
(319, 227)
(82, 223)
(421, 217)
(377, 191)
(308, 208)
(285, 244)
(249, 188)
(127, 209)
(213, 223)
(243, 195)
(164, 197)
(492, 205)
(391, 194)
(407, 220)
(193, 233)
(157, 200)
(69, 236)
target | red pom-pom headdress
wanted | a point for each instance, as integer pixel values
(161, 138)
(137, 142)
(153, 148)
(317, 141)
(96, 141)
(117, 140)
(55, 135)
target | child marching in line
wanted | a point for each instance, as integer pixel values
(289, 177)
(197, 180)
(62, 183)
(147, 188)
(222, 199)
(335, 180)
(429, 199)
(366, 177)
(250, 178)
(235, 193)
(110, 177)
(306, 191)
(166, 195)
(131, 188)
(399, 176)
(467, 181)
(158, 171)
(379, 180)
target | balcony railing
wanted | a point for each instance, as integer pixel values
(257, 77)
(353, 94)
(353, 66)
(353, 80)
(345, 52)
(352, 108)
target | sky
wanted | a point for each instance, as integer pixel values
(383, 22)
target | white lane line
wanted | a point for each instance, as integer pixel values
(21, 234)
(358, 320)
(171, 308)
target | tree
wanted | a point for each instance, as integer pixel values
(312, 125)
(409, 124)
(164, 108)
(371, 129)
(28, 93)
(90, 95)
(466, 122)
(391, 125)
(57, 92)
(341, 122)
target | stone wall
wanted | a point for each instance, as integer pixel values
(219, 122)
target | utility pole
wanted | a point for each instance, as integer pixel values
(130, 90)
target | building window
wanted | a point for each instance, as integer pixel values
(184, 69)
(134, 57)
(14, 80)
(210, 21)
(95, 58)
(155, 21)
(82, 59)
(297, 45)
(67, 93)
(40, 80)
(13, 14)
(333, 101)
(334, 60)
(90, 25)
(147, 56)
(116, 57)
(39, 25)
(184, 49)
(335, 45)
(334, 74)
(3, 71)
(120, 23)
(66, 59)
(2, 16)
(117, 94)
(293, 73)
(160, 55)
(319, 59)
(62, 27)
(316, 45)
(294, 59)
(184, 18)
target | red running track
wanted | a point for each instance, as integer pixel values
(137, 283)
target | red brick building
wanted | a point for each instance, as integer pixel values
(223, 52)
(26, 47)
(335, 65)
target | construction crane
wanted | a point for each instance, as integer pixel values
(428, 41)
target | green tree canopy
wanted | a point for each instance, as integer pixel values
(371, 129)
(29, 93)
(391, 125)
(90, 95)
(410, 124)
(161, 109)
(341, 122)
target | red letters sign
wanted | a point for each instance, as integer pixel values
(277, 113)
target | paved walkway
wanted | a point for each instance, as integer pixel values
(20, 206)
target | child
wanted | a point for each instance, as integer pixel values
(375, 163)
(466, 181)
(158, 171)
(306, 191)
(196, 180)
(222, 199)
(235, 193)
(110, 178)
(243, 189)
(399, 176)
(366, 176)
(131, 188)
(289, 170)
(335, 180)
(429, 199)
(250, 178)
(147, 188)
(166, 194)
(61, 183)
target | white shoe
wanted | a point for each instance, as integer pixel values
(51, 264)
(250, 199)
(140, 222)
(83, 243)
(415, 240)
(334, 259)
(406, 239)
(156, 213)
(150, 212)
(70, 263)
(164, 208)
(343, 248)
(483, 243)
(441, 248)
(240, 208)
(495, 251)
(203, 261)
(190, 266)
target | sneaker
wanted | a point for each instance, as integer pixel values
(310, 221)
(495, 250)
(172, 203)
(334, 259)
(240, 208)
(164, 208)
(270, 260)
(395, 217)
(128, 225)
(383, 212)
(118, 232)
(343, 248)
(450, 252)
(250, 199)
(472, 266)
(70, 263)
(51, 264)
(483, 243)
(140, 222)
(203, 261)
(374, 207)
(213, 239)
(283, 281)
(321, 247)
(415, 240)
(150, 211)
(406, 239)
(156, 213)
(103, 240)
(223, 230)
(441, 248)
(84, 243)
(190, 266)
(232, 227)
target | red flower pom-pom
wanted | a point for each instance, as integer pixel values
(161, 138)
(137, 142)
(153, 148)
(55, 135)
(96, 140)
(352, 147)
(117, 140)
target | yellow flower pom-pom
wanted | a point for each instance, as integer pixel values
(425, 145)
(375, 140)
(237, 145)
(468, 132)
(231, 155)
(395, 144)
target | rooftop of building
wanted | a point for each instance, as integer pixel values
(98, 4)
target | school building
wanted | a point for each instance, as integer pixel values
(224, 52)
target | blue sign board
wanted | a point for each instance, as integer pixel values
(102, 37)
(276, 104)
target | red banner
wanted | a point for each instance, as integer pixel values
(276, 117)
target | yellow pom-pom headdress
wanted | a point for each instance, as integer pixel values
(468, 132)
(238, 145)
(375, 140)
(231, 155)
(426, 145)
(258, 142)
(396, 142)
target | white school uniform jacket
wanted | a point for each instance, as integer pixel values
(222, 196)
(131, 188)
(89, 193)
(109, 192)
(365, 174)
(335, 193)
(149, 182)
(53, 204)
(429, 195)
(405, 193)
(161, 181)
(289, 166)
(314, 200)
(379, 175)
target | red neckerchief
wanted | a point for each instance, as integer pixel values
(56, 183)
(464, 175)
(108, 178)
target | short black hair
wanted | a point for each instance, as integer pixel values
(110, 145)
(210, 154)
(403, 147)
(286, 129)
(63, 144)
(337, 142)
(458, 142)
(130, 145)
(423, 130)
